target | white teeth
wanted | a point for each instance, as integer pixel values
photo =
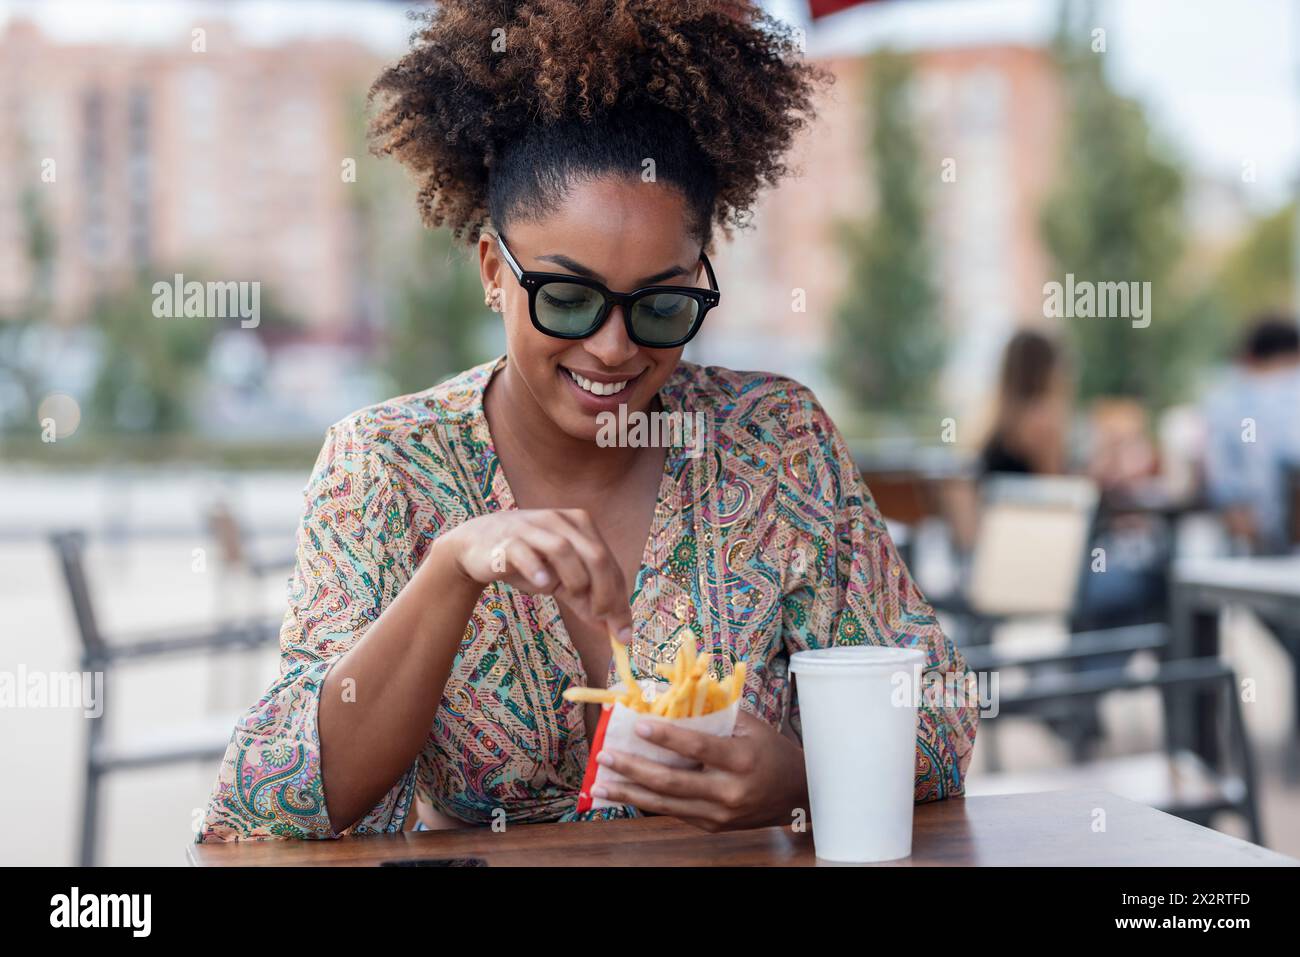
(598, 388)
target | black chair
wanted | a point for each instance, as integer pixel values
(237, 548)
(1070, 719)
(1151, 523)
(1291, 483)
(1172, 780)
(205, 740)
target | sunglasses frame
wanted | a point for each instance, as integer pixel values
(533, 280)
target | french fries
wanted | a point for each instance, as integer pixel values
(692, 690)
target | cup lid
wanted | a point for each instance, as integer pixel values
(840, 658)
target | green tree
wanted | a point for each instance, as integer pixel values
(148, 366)
(41, 248)
(1115, 215)
(889, 342)
(422, 289)
(151, 367)
(1257, 275)
(435, 314)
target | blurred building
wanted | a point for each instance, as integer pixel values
(157, 157)
(994, 111)
(230, 161)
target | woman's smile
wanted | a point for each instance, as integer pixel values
(599, 391)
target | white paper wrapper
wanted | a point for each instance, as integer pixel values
(617, 730)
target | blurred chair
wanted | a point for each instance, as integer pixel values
(903, 500)
(1138, 532)
(233, 540)
(1175, 781)
(1073, 720)
(1028, 562)
(900, 494)
(241, 581)
(1291, 482)
(1029, 556)
(171, 743)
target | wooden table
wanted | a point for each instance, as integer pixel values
(1047, 828)
(1201, 588)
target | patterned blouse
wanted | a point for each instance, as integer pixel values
(764, 544)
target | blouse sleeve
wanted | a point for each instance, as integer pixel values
(845, 585)
(353, 557)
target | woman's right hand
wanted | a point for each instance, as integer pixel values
(545, 551)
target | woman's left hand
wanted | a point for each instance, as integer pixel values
(754, 778)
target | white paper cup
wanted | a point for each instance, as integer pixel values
(857, 706)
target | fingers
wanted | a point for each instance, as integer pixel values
(518, 554)
(608, 598)
(653, 802)
(559, 552)
(712, 751)
(660, 778)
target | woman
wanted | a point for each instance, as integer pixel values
(467, 551)
(1033, 411)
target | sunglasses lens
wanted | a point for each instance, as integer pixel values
(664, 317)
(567, 308)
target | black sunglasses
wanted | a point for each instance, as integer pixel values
(574, 307)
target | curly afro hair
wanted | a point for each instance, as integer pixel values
(500, 106)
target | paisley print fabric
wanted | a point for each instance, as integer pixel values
(764, 541)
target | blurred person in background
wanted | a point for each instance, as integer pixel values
(1034, 405)
(1252, 459)
(1034, 421)
(1121, 456)
(1253, 437)
(1028, 435)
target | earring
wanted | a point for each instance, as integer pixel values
(493, 300)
